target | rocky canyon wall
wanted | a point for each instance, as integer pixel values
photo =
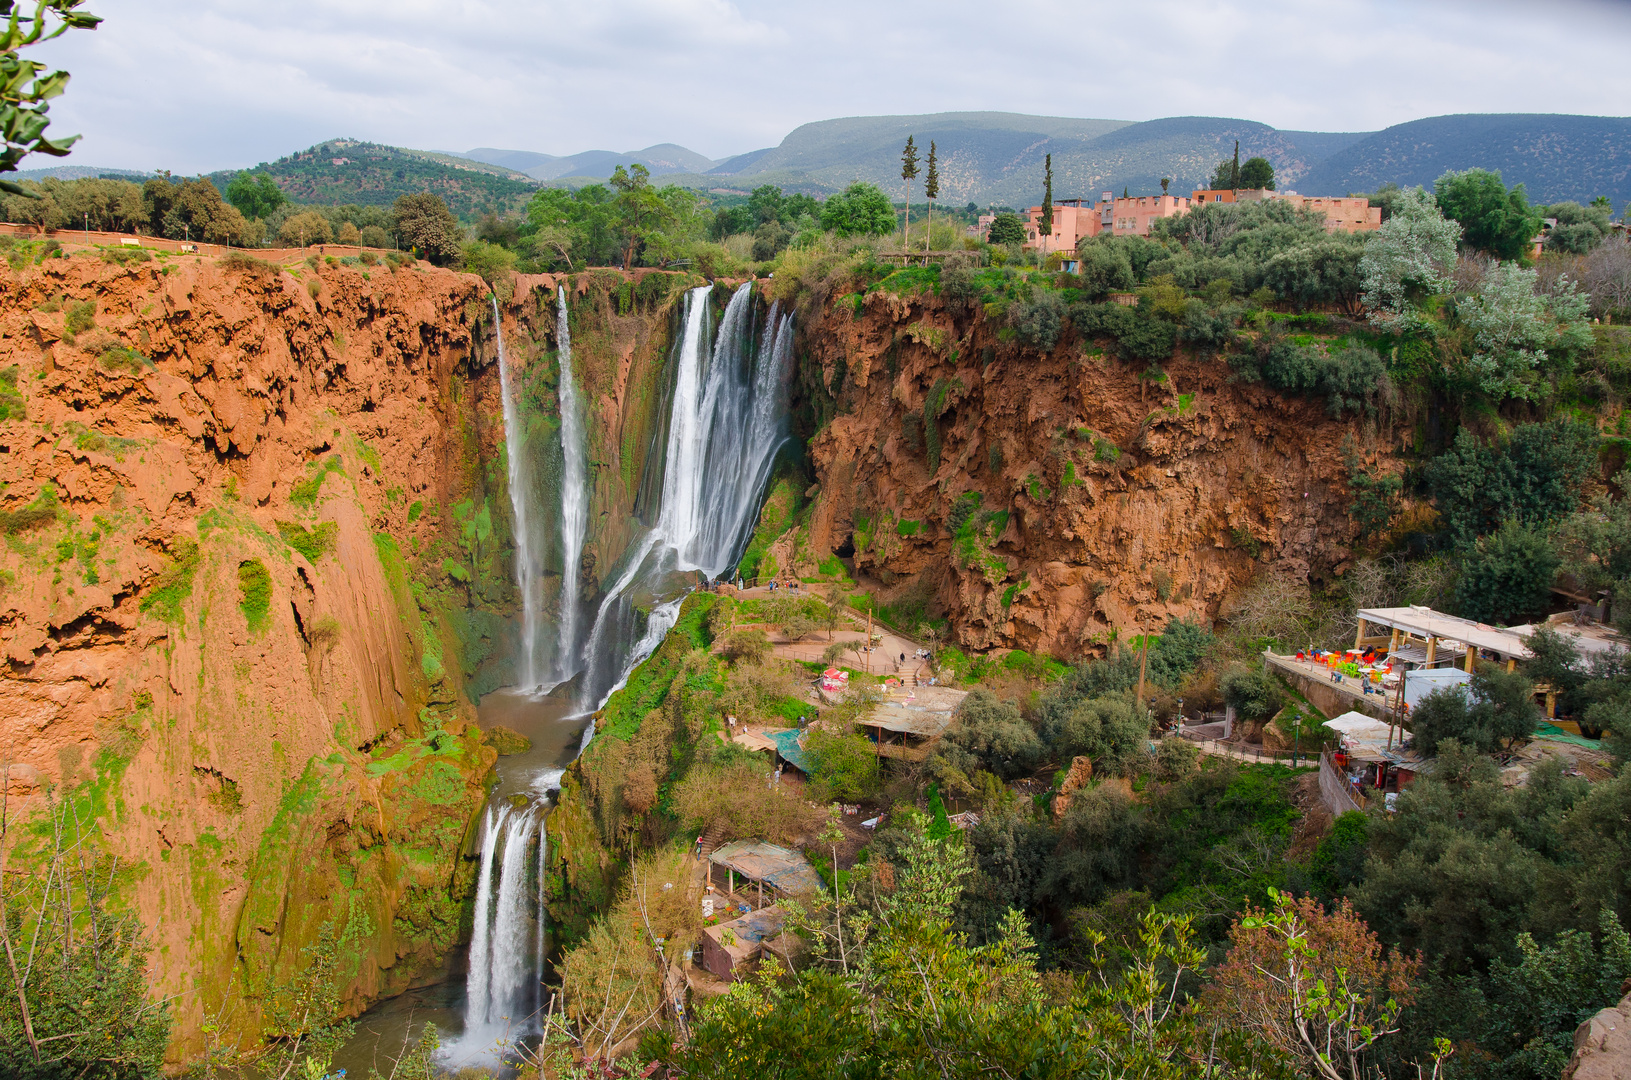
(1053, 498)
(256, 568)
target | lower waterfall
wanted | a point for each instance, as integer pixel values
(727, 422)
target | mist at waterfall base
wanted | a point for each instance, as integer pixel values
(724, 421)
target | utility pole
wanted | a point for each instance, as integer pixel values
(1143, 666)
(868, 638)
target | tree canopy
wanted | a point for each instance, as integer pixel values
(862, 209)
(1492, 218)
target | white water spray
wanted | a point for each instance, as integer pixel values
(528, 579)
(574, 499)
(504, 945)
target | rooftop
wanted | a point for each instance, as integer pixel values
(788, 871)
(1425, 622)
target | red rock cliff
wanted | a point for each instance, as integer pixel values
(1050, 498)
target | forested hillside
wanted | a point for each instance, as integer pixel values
(344, 171)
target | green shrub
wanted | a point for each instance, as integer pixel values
(1038, 320)
(175, 584)
(123, 358)
(80, 318)
(11, 401)
(844, 765)
(255, 589)
(42, 511)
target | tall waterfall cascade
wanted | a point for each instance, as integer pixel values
(528, 558)
(574, 499)
(507, 945)
(727, 421)
(726, 424)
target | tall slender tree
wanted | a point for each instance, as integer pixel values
(931, 191)
(908, 172)
(1234, 182)
(1045, 226)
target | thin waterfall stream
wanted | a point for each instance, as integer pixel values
(726, 422)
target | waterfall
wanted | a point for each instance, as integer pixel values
(528, 578)
(727, 421)
(508, 929)
(574, 498)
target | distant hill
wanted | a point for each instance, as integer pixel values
(1557, 157)
(662, 159)
(78, 172)
(992, 157)
(351, 171)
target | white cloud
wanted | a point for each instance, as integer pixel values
(218, 83)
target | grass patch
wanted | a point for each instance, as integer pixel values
(11, 399)
(313, 543)
(305, 492)
(37, 514)
(174, 585)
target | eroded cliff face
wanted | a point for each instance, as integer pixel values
(256, 566)
(1053, 499)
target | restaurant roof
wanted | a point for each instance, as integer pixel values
(1425, 622)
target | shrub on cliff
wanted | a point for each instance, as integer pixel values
(1038, 320)
(489, 260)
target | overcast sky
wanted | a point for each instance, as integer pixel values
(198, 85)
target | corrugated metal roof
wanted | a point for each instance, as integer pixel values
(893, 716)
(755, 860)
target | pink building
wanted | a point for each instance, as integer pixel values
(1074, 219)
(1072, 222)
(1348, 213)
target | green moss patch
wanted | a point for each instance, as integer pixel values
(313, 543)
(255, 589)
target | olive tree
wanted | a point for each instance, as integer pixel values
(1514, 326)
(1409, 258)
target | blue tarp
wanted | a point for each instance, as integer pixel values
(787, 745)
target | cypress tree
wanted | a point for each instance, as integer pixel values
(1045, 227)
(931, 191)
(908, 170)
